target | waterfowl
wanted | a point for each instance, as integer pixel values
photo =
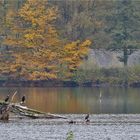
(7, 98)
(87, 118)
(23, 99)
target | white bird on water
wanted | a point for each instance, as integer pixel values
(100, 97)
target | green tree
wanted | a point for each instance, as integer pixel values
(123, 27)
(82, 19)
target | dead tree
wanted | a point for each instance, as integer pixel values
(4, 112)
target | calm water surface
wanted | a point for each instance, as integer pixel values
(114, 114)
(79, 100)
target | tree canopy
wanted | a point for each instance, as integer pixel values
(34, 44)
(39, 38)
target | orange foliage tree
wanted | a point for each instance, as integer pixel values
(6, 14)
(73, 54)
(34, 40)
(35, 46)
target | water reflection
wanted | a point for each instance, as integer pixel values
(78, 100)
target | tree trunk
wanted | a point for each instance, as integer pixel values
(125, 60)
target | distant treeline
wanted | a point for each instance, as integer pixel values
(48, 39)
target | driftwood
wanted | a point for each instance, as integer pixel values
(28, 112)
(5, 108)
(4, 112)
(23, 111)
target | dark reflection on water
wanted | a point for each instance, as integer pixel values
(79, 100)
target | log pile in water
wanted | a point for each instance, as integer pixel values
(23, 111)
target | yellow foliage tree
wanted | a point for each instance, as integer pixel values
(35, 40)
(73, 54)
(6, 14)
(36, 48)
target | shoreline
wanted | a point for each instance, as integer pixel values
(56, 83)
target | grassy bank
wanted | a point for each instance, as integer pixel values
(129, 76)
(109, 76)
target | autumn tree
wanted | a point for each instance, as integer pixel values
(72, 55)
(7, 8)
(33, 40)
(34, 43)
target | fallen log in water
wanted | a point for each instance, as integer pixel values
(20, 110)
(4, 112)
(32, 113)
(5, 107)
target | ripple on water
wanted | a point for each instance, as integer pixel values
(101, 127)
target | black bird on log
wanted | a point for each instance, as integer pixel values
(7, 98)
(23, 99)
(87, 118)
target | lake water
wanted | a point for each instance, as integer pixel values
(101, 127)
(79, 100)
(114, 114)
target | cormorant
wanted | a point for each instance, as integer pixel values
(7, 98)
(87, 118)
(23, 99)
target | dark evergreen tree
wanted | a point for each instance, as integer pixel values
(123, 27)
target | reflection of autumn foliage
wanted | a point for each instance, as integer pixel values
(50, 100)
(83, 100)
(54, 100)
(42, 99)
(36, 50)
